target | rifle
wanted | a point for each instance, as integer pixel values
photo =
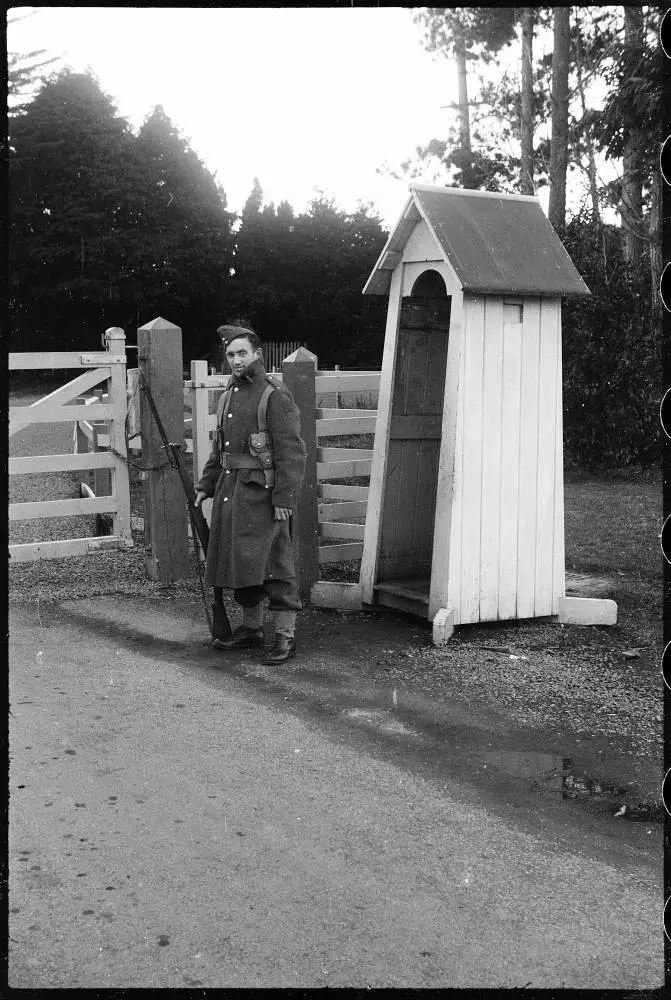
(221, 627)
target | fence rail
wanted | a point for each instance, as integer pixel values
(65, 404)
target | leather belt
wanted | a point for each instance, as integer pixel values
(230, 461)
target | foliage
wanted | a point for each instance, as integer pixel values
(108, 228)
(301, 277)
(611, 355)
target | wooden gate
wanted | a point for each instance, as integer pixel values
(57, 407)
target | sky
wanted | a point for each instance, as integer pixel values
(305, 99)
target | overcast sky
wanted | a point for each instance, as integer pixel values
(303, 98)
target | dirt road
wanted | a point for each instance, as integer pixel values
(183, 818)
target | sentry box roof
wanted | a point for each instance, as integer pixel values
(496, 243)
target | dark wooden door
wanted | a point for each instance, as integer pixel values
(414, 446)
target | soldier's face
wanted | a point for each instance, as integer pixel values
(240, 354)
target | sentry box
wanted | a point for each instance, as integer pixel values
(465, 519)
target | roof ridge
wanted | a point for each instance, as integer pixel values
(439, 189)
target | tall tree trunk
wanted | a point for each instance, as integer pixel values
(559, 101)
(527, 103)
(632, 166)
(591, 161)
(464, 115)
(655, 236)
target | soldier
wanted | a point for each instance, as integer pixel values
(254, 474)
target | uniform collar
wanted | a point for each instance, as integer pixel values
(250, 374)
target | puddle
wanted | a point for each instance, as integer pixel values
(379, 720)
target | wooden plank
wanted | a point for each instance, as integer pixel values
(118, 482)
(60, 508)
(200, 422)
(166, 540)
(558, 555)
(425, 504)
(472, 459)
(390, 511)
(490, 538)
(510, 451)
(328, 412)
(528, 478)
(416, 588)
(299, 378)
(335, 529)
(346, 425)
(344, 454)
(51, 403)
(133, 390)
(328, 492)
(22, 416)
(205, 381)
(38, 360)
(340, 382)
(378, 473)
(343, 552)
(547, 433)
(347, 509)
(446, 556)
(329, 594)
(417, 427)
(61, 549)
(61, 463)
(343, 470)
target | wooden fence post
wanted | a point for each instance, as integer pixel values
(298, 371)
(165, 523)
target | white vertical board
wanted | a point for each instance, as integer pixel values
(378, 472)
(200, 424)
(547, 436)
(490, 504)
(447, 485)
(559, 558)
(116, 342)
(528, 468)
(510, 455)
(453, 597)
(474, 330)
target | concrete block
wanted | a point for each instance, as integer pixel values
(343, 596)
(587, 611)
(443, 626)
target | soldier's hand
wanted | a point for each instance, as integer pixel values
(282, 513)
(200, 496)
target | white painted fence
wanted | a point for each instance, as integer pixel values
(60, 406)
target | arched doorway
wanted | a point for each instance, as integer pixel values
(406, 542)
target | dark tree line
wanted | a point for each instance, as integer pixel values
(109, 227)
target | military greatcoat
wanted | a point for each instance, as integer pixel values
(247, 545)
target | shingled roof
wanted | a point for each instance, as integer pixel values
(496, 243)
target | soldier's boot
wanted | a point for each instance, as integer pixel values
(250, 633)
(284, 644)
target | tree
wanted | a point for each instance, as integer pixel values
(527, 103)
(24, 71)
(301, 277)
(465, 33)
(181, 234)
(560, 105)
(69, 164)
(109, 229)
